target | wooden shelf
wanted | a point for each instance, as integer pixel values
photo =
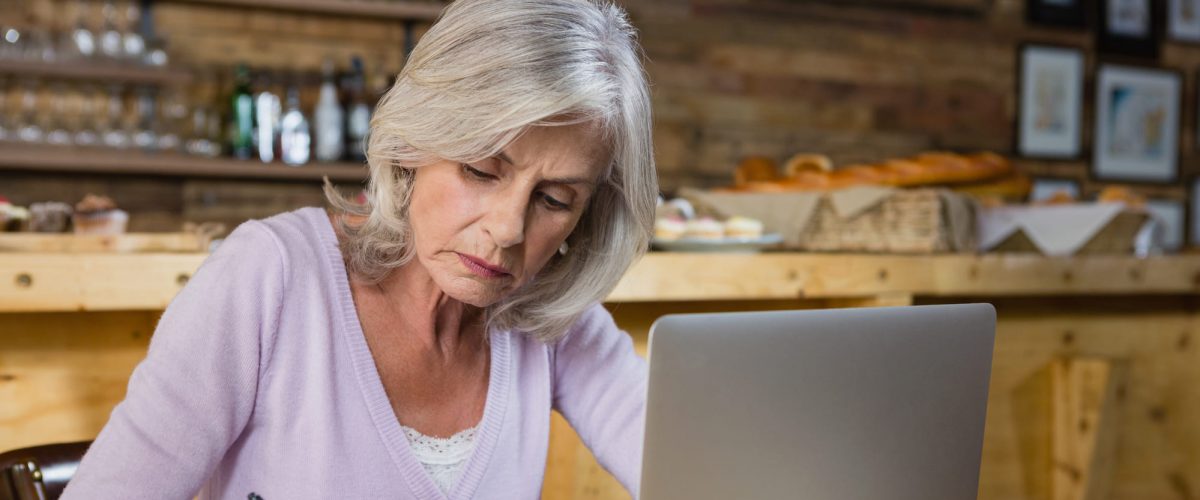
(89, 71)
(131, 162)
(379, 9)
(67, 282)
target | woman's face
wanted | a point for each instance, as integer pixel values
(484, 229)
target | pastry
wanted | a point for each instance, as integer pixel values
(807, 163)
(705, 228)
(99, 215)
(49, 217)
(743, 227)
(669, 228)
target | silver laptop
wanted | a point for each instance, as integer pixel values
(884, 403)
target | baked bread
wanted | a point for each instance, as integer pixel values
(755, 169)
(806, 163)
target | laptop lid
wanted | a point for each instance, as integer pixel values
(878, 403)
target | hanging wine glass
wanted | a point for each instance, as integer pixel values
(83, 39)
(115, 135)
(88, 121)
(56, 130)
(145, 135)
(111, 41)
(11, 45)
(29, 130)
(134, 44)
(172, 120)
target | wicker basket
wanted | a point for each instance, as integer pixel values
(908, 221)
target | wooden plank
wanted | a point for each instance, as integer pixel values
(104, 161)
(1085, 412)
(92, 282)
(125, 243)
(136, 75)
(394, 10)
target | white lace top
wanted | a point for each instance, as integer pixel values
(444, 458)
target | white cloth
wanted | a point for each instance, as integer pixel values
(444, 458)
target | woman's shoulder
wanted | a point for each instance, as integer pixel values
(298, 238)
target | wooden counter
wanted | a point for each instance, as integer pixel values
(1114, 334)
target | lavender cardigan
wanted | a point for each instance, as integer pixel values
(259, 382)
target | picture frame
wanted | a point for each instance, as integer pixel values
(1183, 20)
(1130, 27)
(1194, 212)
(1060, 13)
(1136, 129)
(1046, 187)
(1050, 101)
(1172, 214)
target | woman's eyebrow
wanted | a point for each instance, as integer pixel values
(562, 180)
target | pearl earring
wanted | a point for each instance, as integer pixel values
(562, 249)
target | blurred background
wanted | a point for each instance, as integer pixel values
(1037, 154)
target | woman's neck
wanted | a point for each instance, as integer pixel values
(429, 316)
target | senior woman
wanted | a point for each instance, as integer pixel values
(414, 346)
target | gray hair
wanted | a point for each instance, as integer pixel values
(483, 74)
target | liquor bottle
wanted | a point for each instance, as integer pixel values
(358, 121)
(241, 118)
(328, 118)
(267, 113)
(294, 136)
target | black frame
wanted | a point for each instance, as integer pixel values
(1093, 164)
(1145, 47)
(1083, 96)
(1167, 35)
(1074, 16)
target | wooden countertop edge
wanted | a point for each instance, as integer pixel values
(68, 282)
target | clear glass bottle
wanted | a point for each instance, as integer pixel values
(358, 120)
(267, 112)
(295, 140)
(328, 119)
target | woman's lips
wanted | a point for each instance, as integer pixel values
(481, 268)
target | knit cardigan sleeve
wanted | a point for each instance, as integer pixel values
(600, 388)
(195, 391)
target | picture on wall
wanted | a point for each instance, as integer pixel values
(1169, 216)
(1064, 13)
(1183, 20)
(1051, 102)
(1194, 214)
(1128, 27)
(1137, 124)
(1047, 188)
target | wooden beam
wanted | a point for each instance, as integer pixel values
(1085, 403)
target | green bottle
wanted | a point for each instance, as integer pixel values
(242, 115)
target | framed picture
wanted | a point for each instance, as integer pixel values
(1045, 188)
(1183, 20)
(1129, 27)
(1137, 124)
(1170, 215)
(1065, 13)
(1194, 215)
(1049, 122)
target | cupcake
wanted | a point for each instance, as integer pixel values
(49, 217)
(669, 228)
(704, 228)
(98, 215)
(743, 228)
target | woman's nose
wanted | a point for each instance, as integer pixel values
(505, 221)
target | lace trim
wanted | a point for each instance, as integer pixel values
(443, 458)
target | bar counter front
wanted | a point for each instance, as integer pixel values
(1093, 381)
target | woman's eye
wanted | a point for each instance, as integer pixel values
(478, 174)
(554, 204)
